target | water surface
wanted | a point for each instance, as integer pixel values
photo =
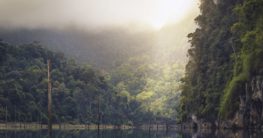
(128, 134)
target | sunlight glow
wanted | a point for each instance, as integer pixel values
(168, 11)
(93, 13)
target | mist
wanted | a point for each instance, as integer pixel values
(96, 32)
(104, 47)
(122, 60)
(84, 13)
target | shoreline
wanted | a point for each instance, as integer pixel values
(67, 126)
(63, 126)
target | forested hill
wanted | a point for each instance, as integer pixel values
(136, 92)
(224, 75)
(140, 81)
(23, 86)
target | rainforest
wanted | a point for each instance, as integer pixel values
(195, 66)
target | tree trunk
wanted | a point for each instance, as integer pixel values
(49, 100)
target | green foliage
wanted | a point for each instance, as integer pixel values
(225, 54)
(144, 96)
(23, 86)
(134, 93)
(250, 53)
(210, 62)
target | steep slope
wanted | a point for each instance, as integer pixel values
(223, 75)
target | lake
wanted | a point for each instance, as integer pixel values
(127, 134)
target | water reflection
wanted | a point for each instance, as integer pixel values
(223, 134)
(129, 134)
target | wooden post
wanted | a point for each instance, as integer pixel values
(40, 121)
(15, 116)
(6, 116)
(167, 127)
(98, 115)
(49, 99)
(19, 119)
(24, 123)
(149, 126)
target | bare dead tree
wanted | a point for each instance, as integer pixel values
(49, 99)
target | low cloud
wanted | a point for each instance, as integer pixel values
(57, 13)
(87, 13)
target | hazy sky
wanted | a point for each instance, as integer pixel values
(60, 13)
